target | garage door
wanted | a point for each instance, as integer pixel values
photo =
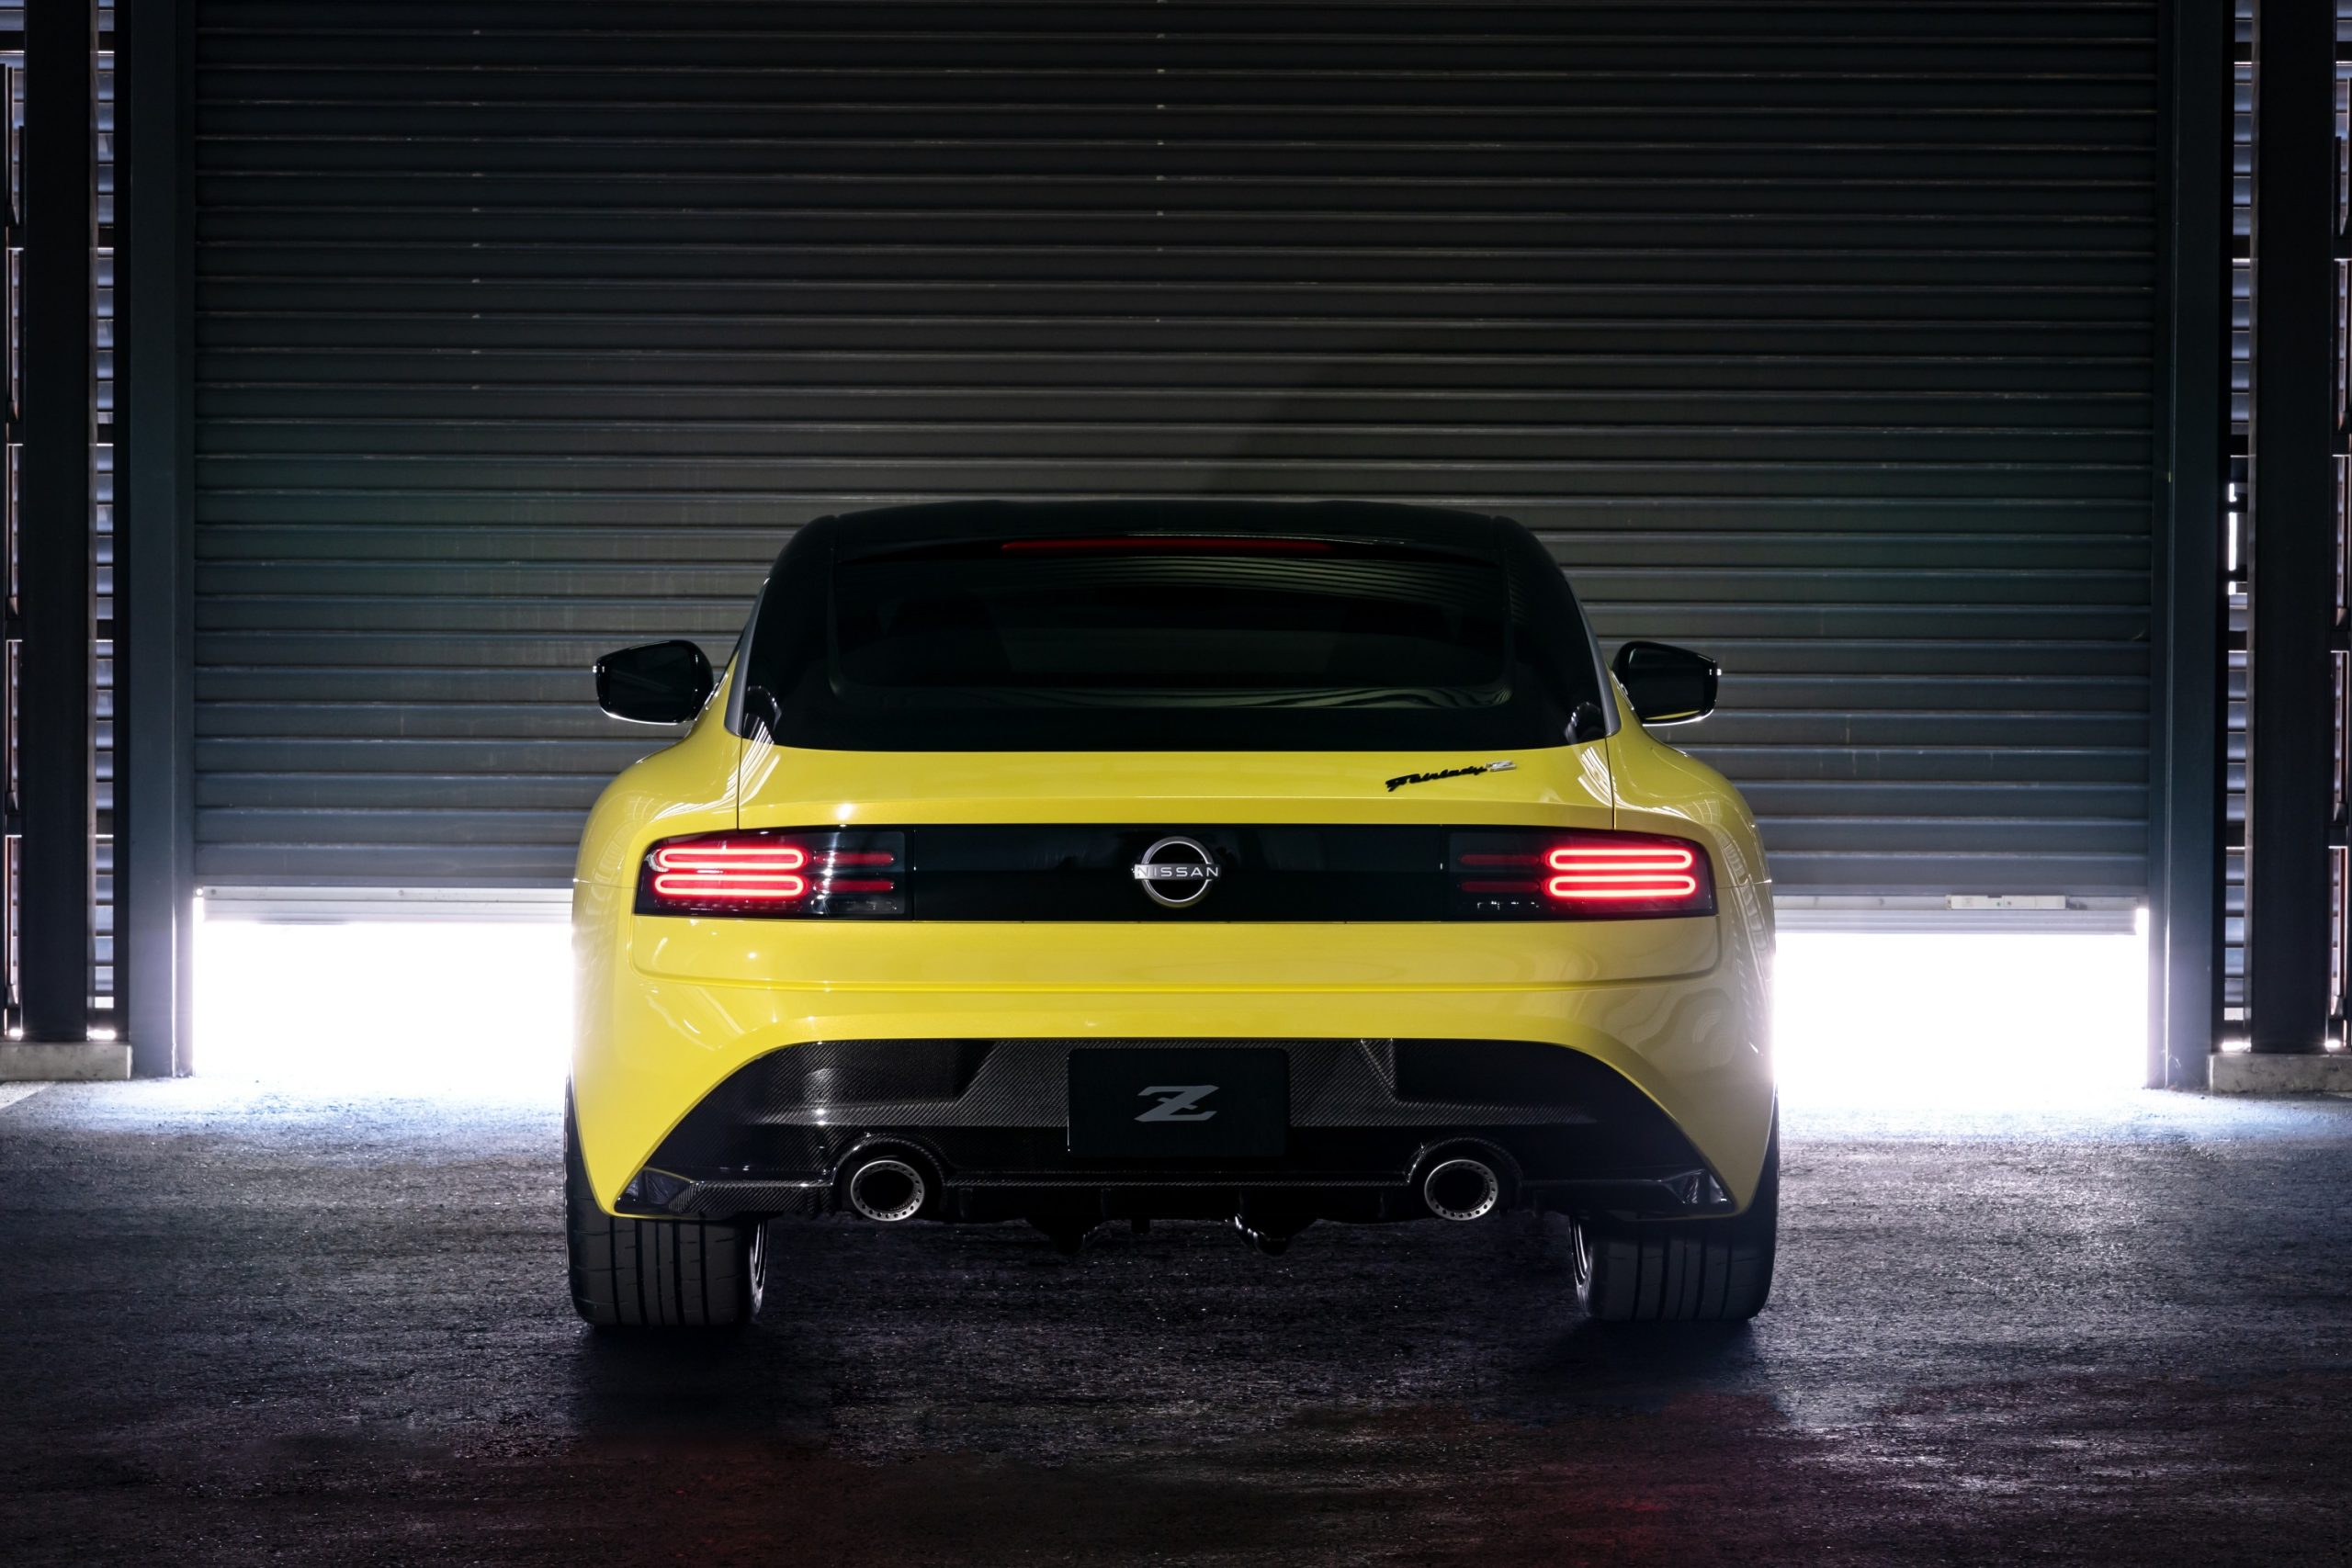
(1818, 336)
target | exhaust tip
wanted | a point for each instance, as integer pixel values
(887, 1190)
(1462, 1189)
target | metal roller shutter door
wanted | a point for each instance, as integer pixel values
(1816, 336)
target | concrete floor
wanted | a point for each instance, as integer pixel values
(239, 1327)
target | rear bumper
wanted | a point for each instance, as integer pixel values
(676, 1028)
(985, 1121)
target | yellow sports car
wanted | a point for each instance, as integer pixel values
(1103, 861)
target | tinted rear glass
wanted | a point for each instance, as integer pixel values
(1166, 641)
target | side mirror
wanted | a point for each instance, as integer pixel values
(660, 683)
(1667, 684)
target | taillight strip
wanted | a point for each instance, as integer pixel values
(1086, 872)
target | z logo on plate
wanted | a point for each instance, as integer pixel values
(1178, 1101)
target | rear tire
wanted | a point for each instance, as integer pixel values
(1683, 1271)
(656, 1273)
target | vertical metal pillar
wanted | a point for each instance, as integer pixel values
(154, 654)
(56, 788)
(2185, 916)
(2290, 803)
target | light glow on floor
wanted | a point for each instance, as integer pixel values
(398, 1007)
(1967, 1020)
(1862, 1020)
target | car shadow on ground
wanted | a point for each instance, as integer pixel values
(947, 1338)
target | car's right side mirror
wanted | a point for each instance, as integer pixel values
(658, 682)
(1667, 684)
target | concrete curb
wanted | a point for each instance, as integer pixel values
(82, 1062)
(2247, 1072)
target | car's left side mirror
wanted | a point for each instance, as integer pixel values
(1667, 684)
(660, 682)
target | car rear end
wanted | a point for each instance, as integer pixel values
(1073, 864)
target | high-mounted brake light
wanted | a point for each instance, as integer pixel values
(1591, 875)
(778, 876)
(1238, 544)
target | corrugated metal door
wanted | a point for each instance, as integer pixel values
(1816, 336)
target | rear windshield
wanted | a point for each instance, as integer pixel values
(1164, 640)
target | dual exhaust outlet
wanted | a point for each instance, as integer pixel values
(886, 1190)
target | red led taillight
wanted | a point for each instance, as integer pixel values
(778, 875)
(1661, 869)
(1581, 876)
(701, 870)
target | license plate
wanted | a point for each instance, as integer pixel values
(1180, 1103)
